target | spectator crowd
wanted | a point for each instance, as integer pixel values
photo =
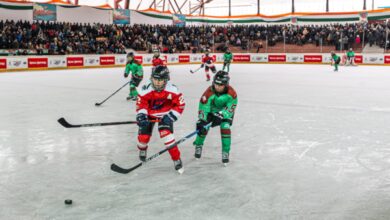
(24, 37)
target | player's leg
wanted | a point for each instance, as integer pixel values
(144, 134)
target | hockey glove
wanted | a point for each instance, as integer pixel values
(201, 66)
(169, 118)
(125, 75)
(142, 120)
(200, 127)
(216, 119)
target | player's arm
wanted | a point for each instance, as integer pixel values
(127, 70)
(142, 104)
(205, 105)
(230, 108)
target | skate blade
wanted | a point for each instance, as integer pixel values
(225, 164)
(180, 171)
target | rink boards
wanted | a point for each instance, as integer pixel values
(12, 63)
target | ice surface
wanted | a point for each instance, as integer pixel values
(308, 143)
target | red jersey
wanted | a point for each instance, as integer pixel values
(208, 61)
(157, 61)
(157, 104)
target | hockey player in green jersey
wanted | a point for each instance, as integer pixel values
(227, 59)
(335, 61)
(217, 105)
(137, 74)
(350, 57)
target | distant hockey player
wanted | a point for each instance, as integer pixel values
(227, 59)
(343, 61)
(335, 61)
(217, 105)
(157, 61)
(350, 57)
(159, 100)
(208, 63)
(137, 74)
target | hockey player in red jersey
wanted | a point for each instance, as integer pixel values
(157, 61)
(162, 101)
(208, 63)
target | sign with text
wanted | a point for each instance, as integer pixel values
(184, 58)
(74, 61)
(3, 63)
(277, 58)
(39, 62)
(107, 60)
(312, 58)
(242, 58)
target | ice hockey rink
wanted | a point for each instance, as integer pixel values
(307, 143)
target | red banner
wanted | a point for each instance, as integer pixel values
(359, 59)
(107, 60)
(75, 61)
(312, 59)
(139, 59)
(184, 58)
(242, 58)
(276, 58)
(3, 63)
(40, 62)
(387, 59)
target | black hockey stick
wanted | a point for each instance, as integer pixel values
(194, 71)
(64, 123)
(119, 169)
(98, 104)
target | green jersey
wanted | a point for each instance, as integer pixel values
(350, 54)
(227, 57)
(135, 68)
(211, 102)
(335, 58)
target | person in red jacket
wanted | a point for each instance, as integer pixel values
(208, 63)
(157, 61)
(159, 101)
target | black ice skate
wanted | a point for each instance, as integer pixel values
(178, 166)
(142, 155)
(225, 158)
(131, 98)
(198, 152)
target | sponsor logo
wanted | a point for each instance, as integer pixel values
(277, 58)
(387, 60)
(241, 58)
(74, 61)
(91, 61)
(107, 60)
(312, 59)
(184, 58)
(15, 63)
(3, 64)
(37, 62)
(260, 58)
(373, 59)
(139, 59)
(359, 59)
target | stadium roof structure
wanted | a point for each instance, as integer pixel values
(231, 7)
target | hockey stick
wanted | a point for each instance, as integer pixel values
(98, 104)
(119, 169)
(194, 71)
(64, 123)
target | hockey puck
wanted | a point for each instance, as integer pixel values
(68, 202)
